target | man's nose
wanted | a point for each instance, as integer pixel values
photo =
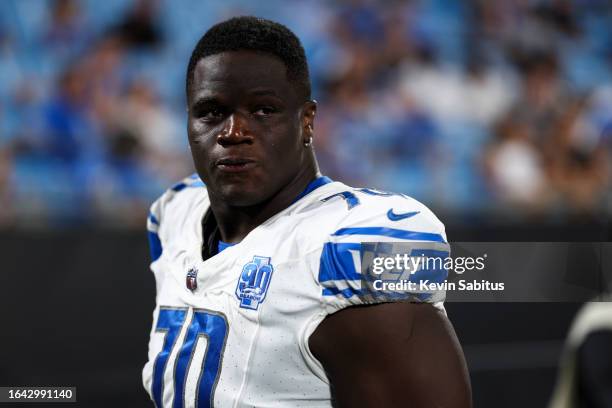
(235, 131)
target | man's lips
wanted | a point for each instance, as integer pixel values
(235, 164)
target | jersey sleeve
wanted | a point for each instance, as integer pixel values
(158, 214)
(386, 249)
(155, 233)
(153, 223)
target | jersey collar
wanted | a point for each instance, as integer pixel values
(312, 186)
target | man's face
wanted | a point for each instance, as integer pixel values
(246, 126)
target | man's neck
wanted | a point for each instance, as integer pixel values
(235, 223)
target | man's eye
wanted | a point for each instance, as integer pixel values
(211, 114)
(264, 111)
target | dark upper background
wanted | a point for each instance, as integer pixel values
(497, 115)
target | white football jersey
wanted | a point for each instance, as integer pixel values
(232, 331)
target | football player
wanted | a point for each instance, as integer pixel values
(256, 257)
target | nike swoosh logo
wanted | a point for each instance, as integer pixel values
(396, 217)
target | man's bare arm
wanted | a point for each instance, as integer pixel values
(392, 355)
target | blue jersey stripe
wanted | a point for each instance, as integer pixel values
(184, 184)
(178, 187)
(430, 274)
(350, 292)
(337, 262)
(155, 246)
(346, 293)
(153, 219)
(221, 246)
(391, 232)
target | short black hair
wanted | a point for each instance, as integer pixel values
(259, 35)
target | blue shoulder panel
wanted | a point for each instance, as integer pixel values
(337, 262)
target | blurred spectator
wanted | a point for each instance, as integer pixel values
(436, 87)
(66, 32)
(104, 72)
(140, 28)
(140, 122)
(515, 168)
(544, 96)
(578, 163)
(488, 93)
(68, 124)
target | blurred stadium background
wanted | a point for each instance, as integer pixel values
(498, 115)
(472, 107)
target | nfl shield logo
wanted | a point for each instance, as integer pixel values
(192, 279)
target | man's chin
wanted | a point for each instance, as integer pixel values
(237, 195)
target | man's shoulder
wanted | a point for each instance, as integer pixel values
(369, 210)
(177, 200)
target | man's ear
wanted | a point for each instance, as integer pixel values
(308, 116)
